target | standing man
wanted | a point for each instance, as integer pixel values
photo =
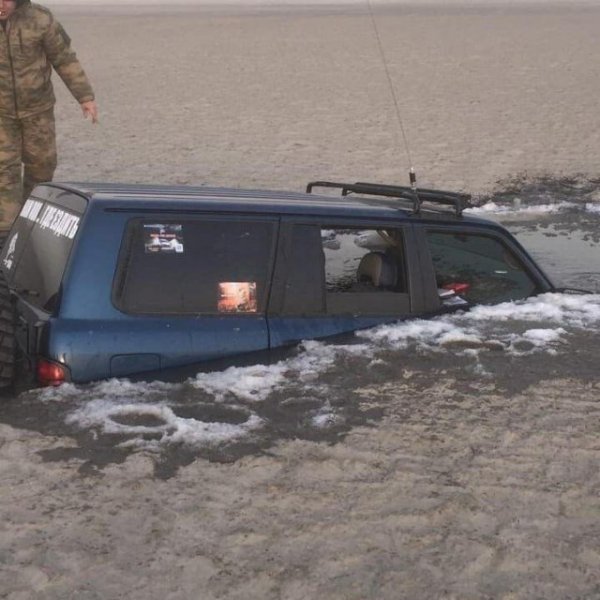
(31, 43)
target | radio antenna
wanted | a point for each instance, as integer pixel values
(411, 172)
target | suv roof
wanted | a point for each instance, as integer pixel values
(182, 198)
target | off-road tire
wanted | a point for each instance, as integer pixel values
(7, 332)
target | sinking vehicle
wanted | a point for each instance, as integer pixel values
(108, 280)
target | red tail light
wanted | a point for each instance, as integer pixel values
(457, 288)
(50, 373)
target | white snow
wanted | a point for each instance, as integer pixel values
(101, 414)
(255, 383)
(469, 329)
(552, 208)
(518, 208)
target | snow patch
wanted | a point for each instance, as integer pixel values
(256, 383)
(468, 328)
(167, 427)
(496, 209)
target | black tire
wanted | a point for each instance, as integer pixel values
(7, 333)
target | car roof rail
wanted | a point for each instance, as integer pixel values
(457, 200)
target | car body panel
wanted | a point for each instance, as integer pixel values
(88, 346)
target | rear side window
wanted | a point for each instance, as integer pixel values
(479, 268)
(363, 260)
(338, 270)
(35, 255)
(195, 266)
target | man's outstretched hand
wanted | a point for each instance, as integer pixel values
(90, 110)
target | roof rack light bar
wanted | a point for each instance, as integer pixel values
(457, 200)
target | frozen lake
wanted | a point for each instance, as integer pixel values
(450, 458)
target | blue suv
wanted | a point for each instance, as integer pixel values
(107, 280)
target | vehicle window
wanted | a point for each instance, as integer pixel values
(363, 260)
(35, 255)
(478, 268)
(192, 266)
(364, 270)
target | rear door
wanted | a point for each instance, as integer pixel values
(336, 276)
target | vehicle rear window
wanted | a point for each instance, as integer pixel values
(479, 268)
(195, 266)
(35, 254)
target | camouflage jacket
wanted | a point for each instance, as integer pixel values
(32, 43)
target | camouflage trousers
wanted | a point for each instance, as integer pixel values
(27, 157)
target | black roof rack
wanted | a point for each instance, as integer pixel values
(457, 200)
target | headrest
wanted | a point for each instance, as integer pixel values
(378, 268)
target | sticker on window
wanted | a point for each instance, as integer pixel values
(163, 239)
(10, 251)
(60, 222)
(237, 297)
(31, 209)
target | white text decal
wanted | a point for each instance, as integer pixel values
(58, 221)
(31, 209)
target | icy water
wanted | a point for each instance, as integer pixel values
(320, 391)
